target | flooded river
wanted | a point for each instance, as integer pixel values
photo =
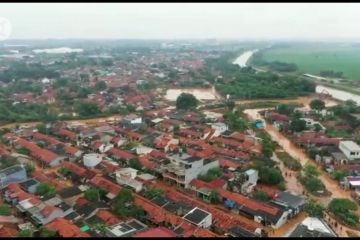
(199, 93)
(338, 94)
(244, 58)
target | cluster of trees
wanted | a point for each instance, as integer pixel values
(314, 209)
(7, 161)
(289, 162)
(282, 67)
(261, 195)
(235, 122)
(268, 146)
(46, 189)
(345, 111)
(186, 101)
(5, 210)
(310, 179)
(19, 70)
(124, 205)
(212, 174)
(344, 209)
(269, 173)
(331, 74)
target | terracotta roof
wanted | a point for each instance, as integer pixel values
(48, 210)
(156, 232)
(8, 232)
(121, 154)
(76, 169)
(66, 228)
(71, 150)
(317, 140)
(108, 217)
(50, 140)
(105, 184)
(228, 163)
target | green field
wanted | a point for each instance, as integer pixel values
(313, 59)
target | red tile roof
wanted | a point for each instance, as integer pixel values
(41, 177)
(278, 117)
(71, 150)
(105, 184)
(318, 140)
(228, 163)
(121, 154)
(108, 217)
(50, 140)
(48, 210)
(66, 228)
(249, 203)
(76, 169)
(156, 232)
(8, 231)
(37, 152)
(189, 132)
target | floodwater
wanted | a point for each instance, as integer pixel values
(199, 93)
(338, 94)
(58, 50)
(244, 58)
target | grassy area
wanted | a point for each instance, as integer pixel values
(316, 58)
(289, 162)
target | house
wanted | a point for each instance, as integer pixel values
(71, 194)
(183, 168)
(120, 154)
(30, 185)
(251, 178)
(13, 174)
(311, 123)
(294, 202)
(125, 229)
(92, 159)
(311, 228)
(107, 185)
(65, 228)
(259, 211)
(350, 149)
(199, 217)
(43, 214)
(126, 176)
(86, 209)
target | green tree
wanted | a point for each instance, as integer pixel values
(261, 195)
(25, 233)
(344, 209)
(152, 193)
(186, 101)
(29, 167)
(5, 210)
(46, 189)
(317, 104)
(87, 109)
(235, 122)
(338, 175)
(311, 170)
(41, 128)
(270, 175)
(297, 125)
(92, 194)
(284, 109)
(214, 197)
(317, 127)
(45, 232)
(100, 86)
(135, 163)
(314, 209)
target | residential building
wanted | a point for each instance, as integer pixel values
(350, 149)
(13, 174)
(311, 228)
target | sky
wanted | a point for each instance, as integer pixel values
(243, 21)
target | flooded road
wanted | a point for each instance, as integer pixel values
(300, 155)
(244, 58)
(338, 94)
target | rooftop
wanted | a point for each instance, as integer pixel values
(196, 216)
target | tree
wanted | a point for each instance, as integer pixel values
(284, 109)
(317, 104)
(235, 122)
(152, 193)
(317, 127)
(5, 210)
(186, 101)
(261, 195)
(311, 170)
(29, 167)
(230, 105)
(270, 175)
(214, 197)
(344, 208)
(92, 194)
(25, 233)
(45, 232)
(87, 109)
(135, 163)
(41, 128)
(297, 125)
(314, 209)
(100, 86)
(46, 189)
(338, 175)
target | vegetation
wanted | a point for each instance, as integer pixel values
(297, 125)
(186, 101)
(25, 233)
(212, 174)
(124, 205)
(46, 189)
(7, 161)
(29, 167)
(288, 161)
(317, 104)
(268, 146)
(314, 209)
(92, 194)
(312, 184)
(153, 193)
(344, 208)
(45, 232)
(261, 195)
(339, 175)
(5, 210)
(235, 122)
(135, 163)
(214, 197)
(87, 109)
(311, 170)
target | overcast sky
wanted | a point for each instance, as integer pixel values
(183, 20)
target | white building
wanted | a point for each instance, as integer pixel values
(183, 168)
(199, 217)
(92, 159)
(252, 177)
(219, 128)
(350, 149)
(126, 176)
